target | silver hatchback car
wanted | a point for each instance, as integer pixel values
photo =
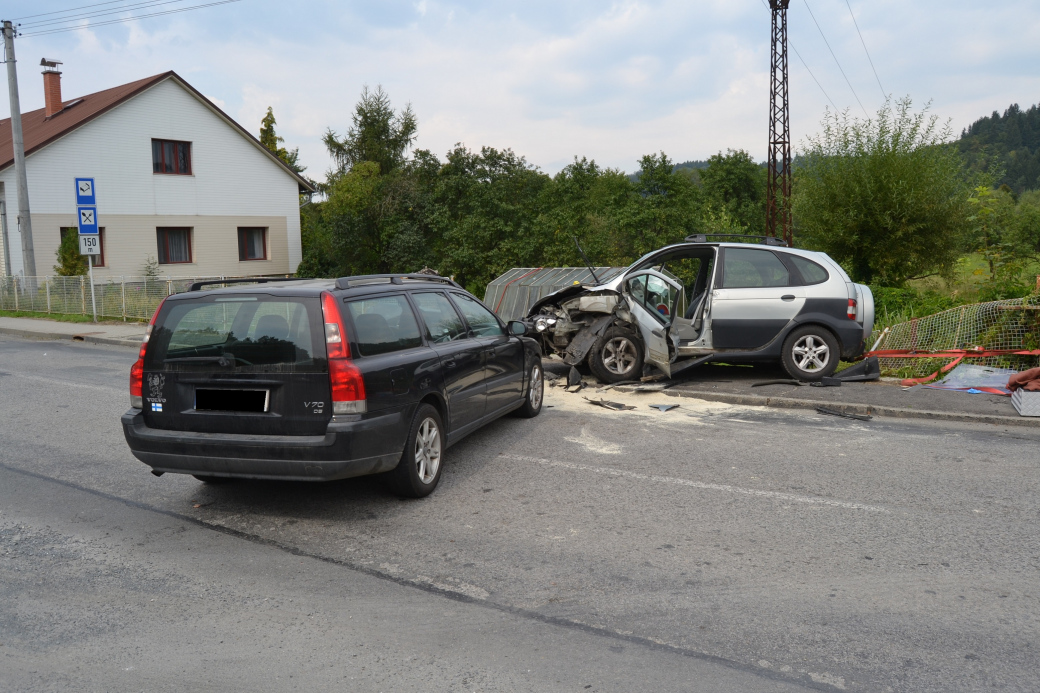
(700, 301)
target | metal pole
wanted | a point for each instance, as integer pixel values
(7, 243)
(122, 282)
(778, 185)
(47, 288)
(18, 143)
(90, 269)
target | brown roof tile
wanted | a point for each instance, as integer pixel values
(38, 131)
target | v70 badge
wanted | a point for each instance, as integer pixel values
(317, 406)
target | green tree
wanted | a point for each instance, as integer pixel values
(70, 262)
(376, 134)
(270, 139)
(993, 221)
(735, 193)
(884, 196)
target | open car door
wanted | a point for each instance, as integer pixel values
(654, 299)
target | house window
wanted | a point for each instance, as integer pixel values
(99, 260)
(252, 243)
(174, 245)
(169, 156)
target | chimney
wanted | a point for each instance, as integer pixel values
(51, 87)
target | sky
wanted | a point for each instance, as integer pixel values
(610, 81)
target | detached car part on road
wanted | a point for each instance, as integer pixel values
(321, 379)
(697, 302)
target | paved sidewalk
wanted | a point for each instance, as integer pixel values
(733, 385)
(118, 333)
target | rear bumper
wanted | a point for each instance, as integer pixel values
(348, 449)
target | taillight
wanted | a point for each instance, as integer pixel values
(137, 370)
(345, 379)
(852, 309)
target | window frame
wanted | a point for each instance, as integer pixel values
(242, 232)
(465, 320)
(161, 232)
(720, 277)
(162, 158)
(427, 333)
(356, 345)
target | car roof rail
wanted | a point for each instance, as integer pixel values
(365, 279)
(195, 286)
(768, 240)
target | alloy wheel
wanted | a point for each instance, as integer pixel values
(536, 390)
(811, 354)
(428, 450)
(619, 355)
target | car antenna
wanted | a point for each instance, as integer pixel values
(586, 259)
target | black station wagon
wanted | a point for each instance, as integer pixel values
(324, 379)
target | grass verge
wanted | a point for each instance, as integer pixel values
(61, 317)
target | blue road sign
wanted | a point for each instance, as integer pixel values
(88, 222)
(85, 192)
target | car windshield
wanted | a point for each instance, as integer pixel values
(254, 333)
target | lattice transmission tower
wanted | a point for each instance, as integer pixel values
(778, 191)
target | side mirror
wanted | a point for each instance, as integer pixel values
(517, 328)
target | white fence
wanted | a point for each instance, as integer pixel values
(126, 298)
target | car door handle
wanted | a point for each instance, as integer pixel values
(657, 333)
(450, 364)
(788, 297)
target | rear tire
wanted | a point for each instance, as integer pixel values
(535, 393)
(810, 353)
(213, 480)
(617, 356)
(419, 471)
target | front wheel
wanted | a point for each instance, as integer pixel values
(616, 356)
(535, 393)
(810, 353)
(419, 470)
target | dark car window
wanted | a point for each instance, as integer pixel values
(264, 334)
(481, 320)
(748, 267)
(384, 324)
(442, 321)
(810, 271)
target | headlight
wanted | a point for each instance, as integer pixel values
(540, 326)
(550, 322)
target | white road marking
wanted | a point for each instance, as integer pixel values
(790, 497)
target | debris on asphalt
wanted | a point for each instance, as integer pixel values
(827, 382)
(573, 377)
(867, 369)
(777, 382)
(835, 412)
(576, 388)
(664, 407)
(615, 406)
(613, 385)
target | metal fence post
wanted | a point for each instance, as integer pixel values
(169, 286)
(122, 285)
(16, 293)
(47, 288)
(83, 294)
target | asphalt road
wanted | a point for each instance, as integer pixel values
(709, 548)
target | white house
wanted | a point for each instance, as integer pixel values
(176, 180)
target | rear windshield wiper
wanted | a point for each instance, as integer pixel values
(227, 360)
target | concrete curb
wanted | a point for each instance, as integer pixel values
(85, 338)
(848, 408)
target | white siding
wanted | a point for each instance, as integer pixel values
(230, 176)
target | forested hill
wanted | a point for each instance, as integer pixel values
(1011, 142)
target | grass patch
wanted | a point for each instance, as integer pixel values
(62, 317)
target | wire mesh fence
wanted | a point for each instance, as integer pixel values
(120, 298)
(1010, 325)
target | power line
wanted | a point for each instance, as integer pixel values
(73, 9)
(34, 26)
(806, 66)
(883, 92)
(835, 58)
(128, 19)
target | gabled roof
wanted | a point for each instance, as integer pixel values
(38, 131)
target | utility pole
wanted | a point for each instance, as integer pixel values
(24, 220)
(778, 189)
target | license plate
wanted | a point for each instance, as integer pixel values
(256, 401)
